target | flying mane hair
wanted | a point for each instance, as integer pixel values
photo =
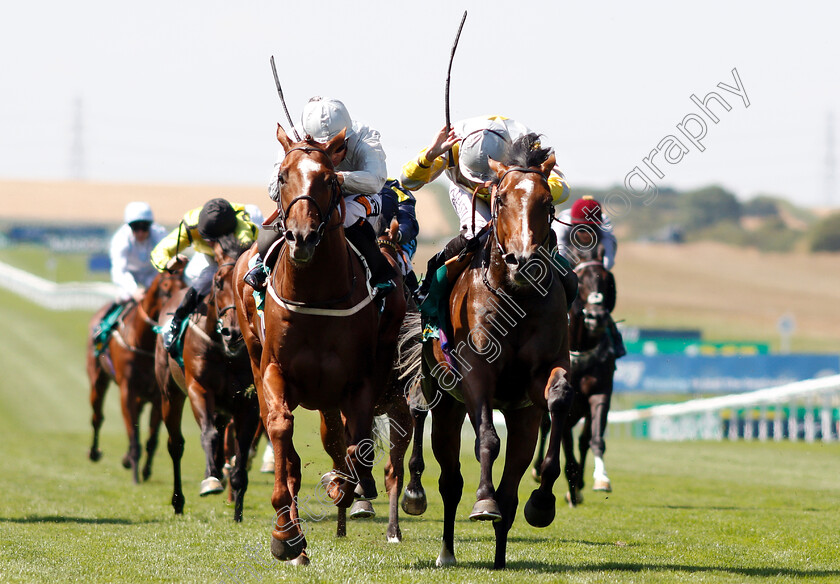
(526, 151)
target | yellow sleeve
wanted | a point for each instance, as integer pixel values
(559, 187)
(177, 241)
(421, 171)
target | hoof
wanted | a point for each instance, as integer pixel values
(366, 490)
(414, 502)
(539, 510)
(94, 454)
(178, 504)
(577, 501)
(147, 472)
(301, 560)
(337, 489)
(211, 486)
(362, 510)
(445, 559)
(486, 510)
(603, 485)
(288, 550)
(126, 462)
(395, 536)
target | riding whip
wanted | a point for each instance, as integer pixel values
(451, 162)
(283, 100)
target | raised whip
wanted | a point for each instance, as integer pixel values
(283, 100)
(448, 75)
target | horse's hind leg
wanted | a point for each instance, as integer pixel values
(332, 437)
(521, 439)
(414, 499)
(155, 418)
(600, 408)
(573, 469)
(400, 420)
(583, 443)
(447, 419)
(99, 381)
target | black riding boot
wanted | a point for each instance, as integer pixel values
(257, 276)
(363, 238)
(188, 304)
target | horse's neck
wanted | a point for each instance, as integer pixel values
(326, 276)
(580, 338)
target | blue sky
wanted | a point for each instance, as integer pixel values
(182, 91)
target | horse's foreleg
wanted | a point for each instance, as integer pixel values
(522, 429)
(172, 408)
(154, 430)
(487, 447)
(584, 441)
(131, 414)
(600, 408)
(539, 510)
(447, 419)
(338, 490)
(400, 420)
(99, 381)
(287, 538)
(203, 406)
(545, 427)
(246, 421)
(573, 469)
(414, 498)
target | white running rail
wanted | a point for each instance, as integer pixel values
(808, 410)
(67, 296)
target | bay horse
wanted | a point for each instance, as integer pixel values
(217, 379)
(325, 345)
(128, 360)
(508, 350)
(593, 367)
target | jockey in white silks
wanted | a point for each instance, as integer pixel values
(361, 172)
(130, 249)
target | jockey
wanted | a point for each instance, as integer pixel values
(216, 221)
(361, 171)
(398, 202)
(586, 215)
(585, 211)
(469, 143)
(198, 263)
(131, 247)
(131, 270)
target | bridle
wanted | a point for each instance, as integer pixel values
(335, 199)
(494, 205)
(220, 312)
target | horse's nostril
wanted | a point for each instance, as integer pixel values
(290, 237)
(510, 258)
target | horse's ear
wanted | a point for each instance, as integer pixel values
(600, 252)
(550, 162)
(336, 143)
(497, 167)
(283, 138)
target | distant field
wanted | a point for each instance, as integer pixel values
(683, 512)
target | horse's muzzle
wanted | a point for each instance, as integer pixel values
(302, 244)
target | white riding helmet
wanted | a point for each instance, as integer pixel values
(323, 118)
(257, 217)
(477, 147)
(138, 211)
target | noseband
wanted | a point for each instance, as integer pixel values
(221, 312)
(335, 198)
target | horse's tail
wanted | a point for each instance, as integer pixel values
(409, 346)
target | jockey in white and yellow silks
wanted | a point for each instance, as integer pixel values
(469, 143)
(216, 221)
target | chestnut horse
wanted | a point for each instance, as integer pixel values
(508, 351)
(325, 346)
(128, 360)
(593, 367)
(217, 379)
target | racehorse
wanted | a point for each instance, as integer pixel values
(217, 378)
(325, 346)
(593, 366)
(508, 349)
(128, 360)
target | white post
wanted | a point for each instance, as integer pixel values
(810, 425)
(793, 425)
(778, 430)
(762, 424)
(825, 418)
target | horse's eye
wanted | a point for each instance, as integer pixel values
(281, 180)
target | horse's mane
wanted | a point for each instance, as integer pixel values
(527, 151)
(231, 246)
